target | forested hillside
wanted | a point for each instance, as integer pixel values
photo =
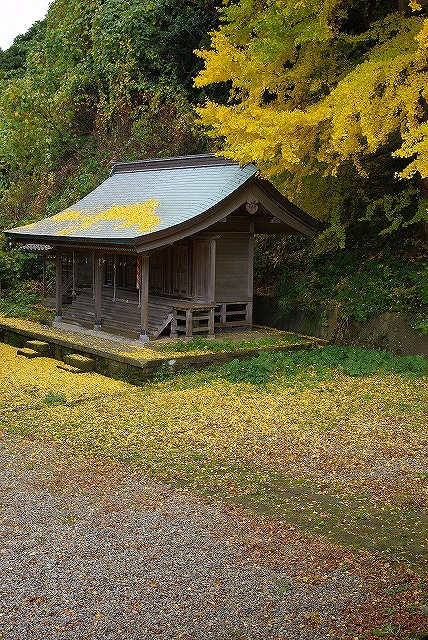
(97, 81)
(328, 98)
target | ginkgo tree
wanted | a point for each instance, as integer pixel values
(330, 99)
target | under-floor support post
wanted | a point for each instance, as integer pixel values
(211, 335)
(189, 324)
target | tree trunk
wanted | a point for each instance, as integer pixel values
(403, 7)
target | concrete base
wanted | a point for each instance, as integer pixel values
(74, 328)
(106, 358)
(144, 337)
(58, 319)
(97, 327)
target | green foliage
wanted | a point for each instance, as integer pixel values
(13, 61)
(16, 264)
(162, 373)
(422, 325)
(9, 268)
(53, 399)
(19, 301)
(256, 371)
(157, 38)
(369, 276)
(228, 344)
(351, 361)
(96, 81)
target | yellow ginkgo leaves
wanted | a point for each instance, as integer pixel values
(140, 216)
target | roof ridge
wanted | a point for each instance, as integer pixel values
(177, 162)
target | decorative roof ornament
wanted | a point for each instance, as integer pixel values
(252, 206)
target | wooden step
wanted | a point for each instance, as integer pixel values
(119, 316)
(156, 330)
(69, 368)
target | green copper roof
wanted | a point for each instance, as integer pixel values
(143, 197)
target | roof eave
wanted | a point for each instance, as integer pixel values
(156, 238)
(61, 240)
(304, 223)
(293, 210)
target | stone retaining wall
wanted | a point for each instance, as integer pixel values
(130, 368)
(387, 331)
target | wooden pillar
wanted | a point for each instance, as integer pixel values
(93, 275)
(211, 267)
(249, 314)
(114, 277)
(58, 289)
(44, 276)
(144, 284)
(98, 265)
(73, 266)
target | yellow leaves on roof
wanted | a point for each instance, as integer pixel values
(140, 215)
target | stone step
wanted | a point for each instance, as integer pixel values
(77, 361)
(69, 368)
(39, 346)
(28, 353)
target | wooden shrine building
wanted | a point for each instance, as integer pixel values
(164, 244)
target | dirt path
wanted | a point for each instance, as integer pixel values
(92, 550)
(88, 550)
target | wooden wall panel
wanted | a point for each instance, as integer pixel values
(157, 271)
(204, 250)
(180, 269)
(232, 268)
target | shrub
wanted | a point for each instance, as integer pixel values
(351, 361)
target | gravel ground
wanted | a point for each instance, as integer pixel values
(92, 550)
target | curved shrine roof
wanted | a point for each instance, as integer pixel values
(150, 202)
(142, 197)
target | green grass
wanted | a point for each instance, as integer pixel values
(54, 399)
(229, 344)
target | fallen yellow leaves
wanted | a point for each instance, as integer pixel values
(367, 434)
(71, 338)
